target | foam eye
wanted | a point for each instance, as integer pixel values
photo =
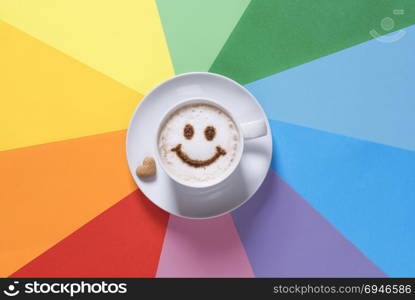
(188, 131)
(210, 133)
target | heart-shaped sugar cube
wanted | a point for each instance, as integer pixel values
(148, 168)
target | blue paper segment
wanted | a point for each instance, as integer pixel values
(366, 91)
(366, 190)
(285, 237)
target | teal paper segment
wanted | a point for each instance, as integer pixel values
(366, 190)
(366, 91)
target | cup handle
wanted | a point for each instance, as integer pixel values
(253, 129)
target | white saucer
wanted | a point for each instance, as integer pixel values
(209, 202)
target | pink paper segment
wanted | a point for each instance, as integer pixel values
(203, 248)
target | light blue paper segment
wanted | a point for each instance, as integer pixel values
(366, 91)
(366, 190)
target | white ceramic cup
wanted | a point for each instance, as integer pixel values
(247, 131)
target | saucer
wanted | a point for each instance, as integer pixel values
(206, 202)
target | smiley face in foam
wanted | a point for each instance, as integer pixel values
(199, 142)
(188, 133)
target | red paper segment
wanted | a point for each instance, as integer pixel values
(123, 241)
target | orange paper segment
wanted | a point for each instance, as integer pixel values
(124, 241)
(49, 191)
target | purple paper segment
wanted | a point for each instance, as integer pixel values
(203, 248)
(285, 237)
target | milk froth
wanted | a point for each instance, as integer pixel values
(199, 143)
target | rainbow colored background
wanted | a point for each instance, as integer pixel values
(339, 199)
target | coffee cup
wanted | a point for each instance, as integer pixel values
(199, 143)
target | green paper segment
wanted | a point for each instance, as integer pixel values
(273, 36)
(196, 30)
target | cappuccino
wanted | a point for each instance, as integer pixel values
(199, 143)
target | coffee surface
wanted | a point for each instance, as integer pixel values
(199, 143)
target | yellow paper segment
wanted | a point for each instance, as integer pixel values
(123, 39)
(47, 96)
(49, 191)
